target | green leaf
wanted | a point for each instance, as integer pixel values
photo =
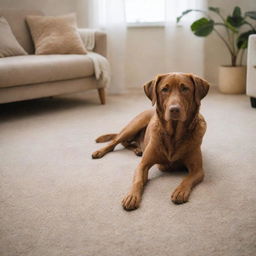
(202, 27)
(214, 9)
(242, 40)
(233, 29)
(235, 21)
(187, 11)
(178, 19)
(237, 12)
(183, 13)
(251, 14)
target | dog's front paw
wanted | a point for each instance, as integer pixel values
(97, 154)
(131, 201)
(181, 194)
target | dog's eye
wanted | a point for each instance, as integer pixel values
(184, 88)
(165, 89)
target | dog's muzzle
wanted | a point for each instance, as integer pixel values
(175, 112)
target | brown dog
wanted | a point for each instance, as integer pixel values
(170, 135)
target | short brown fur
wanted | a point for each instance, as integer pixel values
(170, 135)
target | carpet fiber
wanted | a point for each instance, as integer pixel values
(56, 200)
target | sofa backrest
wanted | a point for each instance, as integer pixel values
(17, 21)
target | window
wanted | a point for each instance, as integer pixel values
(144, 12)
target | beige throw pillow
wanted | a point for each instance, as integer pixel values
(55, 35)
(9, 45)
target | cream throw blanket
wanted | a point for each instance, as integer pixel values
(100, 63)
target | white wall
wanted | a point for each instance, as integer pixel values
(82, 10)
(49, 7)
(150, 53)
(52, 7)
(145, 55)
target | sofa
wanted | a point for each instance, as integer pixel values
(36, 76)
(251, 70)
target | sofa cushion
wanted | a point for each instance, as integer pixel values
(31, 69)
(56, 34)
(9, 45)
(17, 22)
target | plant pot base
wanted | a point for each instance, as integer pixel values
(232, 79)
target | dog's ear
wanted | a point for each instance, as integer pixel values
(201, 87)
(150, 89)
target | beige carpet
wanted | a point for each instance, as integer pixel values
(56, 200)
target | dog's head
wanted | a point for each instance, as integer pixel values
(176, 94)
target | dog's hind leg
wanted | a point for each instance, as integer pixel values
(133, 146)
(129, 132)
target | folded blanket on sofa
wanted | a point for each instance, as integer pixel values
(100, 63)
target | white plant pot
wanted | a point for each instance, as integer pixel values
(232, 79)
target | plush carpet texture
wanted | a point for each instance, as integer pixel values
(56, 200)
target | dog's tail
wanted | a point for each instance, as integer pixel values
(106, 137)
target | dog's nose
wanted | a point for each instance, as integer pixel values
(175, 109)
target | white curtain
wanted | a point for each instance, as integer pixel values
(184, 51)
(109, 15)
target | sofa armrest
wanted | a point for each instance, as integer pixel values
(100, 41)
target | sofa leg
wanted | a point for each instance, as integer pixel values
(102, 96)
(253, 102)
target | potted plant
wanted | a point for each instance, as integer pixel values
(237, 28)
